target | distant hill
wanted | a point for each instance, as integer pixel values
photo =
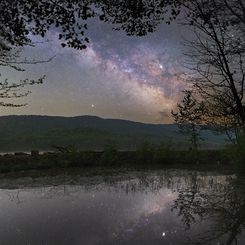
(89, 132)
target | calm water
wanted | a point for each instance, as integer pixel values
(143, 207)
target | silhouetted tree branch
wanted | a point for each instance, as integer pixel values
(215, 58)
(19, 18)
(10, 58)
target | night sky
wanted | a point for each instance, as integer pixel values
(117, 76)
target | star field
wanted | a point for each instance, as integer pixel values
(117, 76)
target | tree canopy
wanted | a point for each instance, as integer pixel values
(20, 18)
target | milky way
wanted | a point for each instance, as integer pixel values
(117, 76)
(144, 76)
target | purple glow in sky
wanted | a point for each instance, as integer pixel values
(115, 77)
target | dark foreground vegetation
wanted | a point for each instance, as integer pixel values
(146, 156)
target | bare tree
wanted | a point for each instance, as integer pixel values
(237, 11)
(215, 57)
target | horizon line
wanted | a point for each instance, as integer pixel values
(100, 117)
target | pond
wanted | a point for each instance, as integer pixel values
(123, 207)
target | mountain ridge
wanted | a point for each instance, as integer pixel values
(24, 132)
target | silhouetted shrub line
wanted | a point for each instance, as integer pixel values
(145, 156)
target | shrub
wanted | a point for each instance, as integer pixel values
(109, 155)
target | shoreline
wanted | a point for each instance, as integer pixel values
(204, 159)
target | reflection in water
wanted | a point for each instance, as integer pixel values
(223, 204)
(145, 207)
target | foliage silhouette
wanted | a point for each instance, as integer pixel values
(20, 18)
(224, 204)
(189, 118)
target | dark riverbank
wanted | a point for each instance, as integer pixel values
(208, 159)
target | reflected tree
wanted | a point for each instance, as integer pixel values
(188, 203)
(225, 207)
(217, 202)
